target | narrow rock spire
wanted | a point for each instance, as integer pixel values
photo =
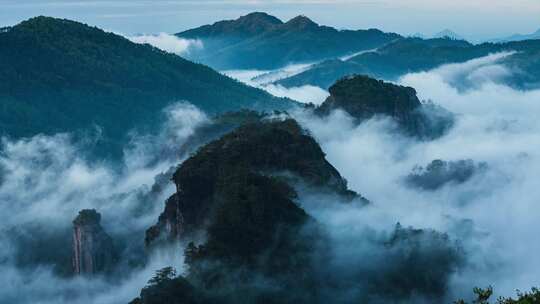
(93, 250)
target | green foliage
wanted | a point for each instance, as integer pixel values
(363, 97)
(439, 173)
(425, 255)
(58, 75)
(482, 296)
(162, 276)
(166, 288)
(275, 148)
(270, 147)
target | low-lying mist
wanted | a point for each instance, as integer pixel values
(46, 180)
(168, 43)
(492, 215)
(489, 219)
(265, 80)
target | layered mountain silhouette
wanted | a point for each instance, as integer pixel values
(390, 61)
(415, 54)
(58, 75)
(519, 37)
(261, 41)
(254, 200)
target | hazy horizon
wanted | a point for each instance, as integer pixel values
(474, 20)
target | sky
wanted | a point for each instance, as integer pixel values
(476, 20)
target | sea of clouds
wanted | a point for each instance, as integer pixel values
(493, 215)
(46, 180)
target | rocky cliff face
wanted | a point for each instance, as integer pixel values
(93, 250)
(260, 246)
(238, 190)
(280, 149)
(364, 97)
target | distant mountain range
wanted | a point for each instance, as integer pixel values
(388, 62)
(415, 54)
(520, 37)
(448, 34)
(261, 41)
(58, 75)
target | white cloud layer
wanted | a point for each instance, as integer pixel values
(46, 180)
(168, 43)
(493, 215)
(495, 124)
(265, 79)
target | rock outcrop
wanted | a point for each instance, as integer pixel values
(261, 246)
(439, 173)
(93, 249)
(363, 97)
(278, 149)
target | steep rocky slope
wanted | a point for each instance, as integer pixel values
(363, 97)
(275, 148)
(93, 249)
(256, 244)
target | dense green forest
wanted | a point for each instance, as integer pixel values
(363, 98)
(58, 75)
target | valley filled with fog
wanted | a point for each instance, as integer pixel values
(431, 217)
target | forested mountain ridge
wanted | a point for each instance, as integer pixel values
(58, 75)
(415, 54)
(244, 27)
(262, 245)
(261, 41)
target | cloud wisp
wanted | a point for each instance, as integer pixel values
(168, 43)
(492, 215)
(46, 180)
(265, 80)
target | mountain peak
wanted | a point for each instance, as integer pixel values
(259, 17)
(245, 26)
(51, 27)
(301, 22)
(447, 33)
(87, 217)
(364, 97)
(41, 21)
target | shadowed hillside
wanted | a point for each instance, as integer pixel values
(59, 75)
